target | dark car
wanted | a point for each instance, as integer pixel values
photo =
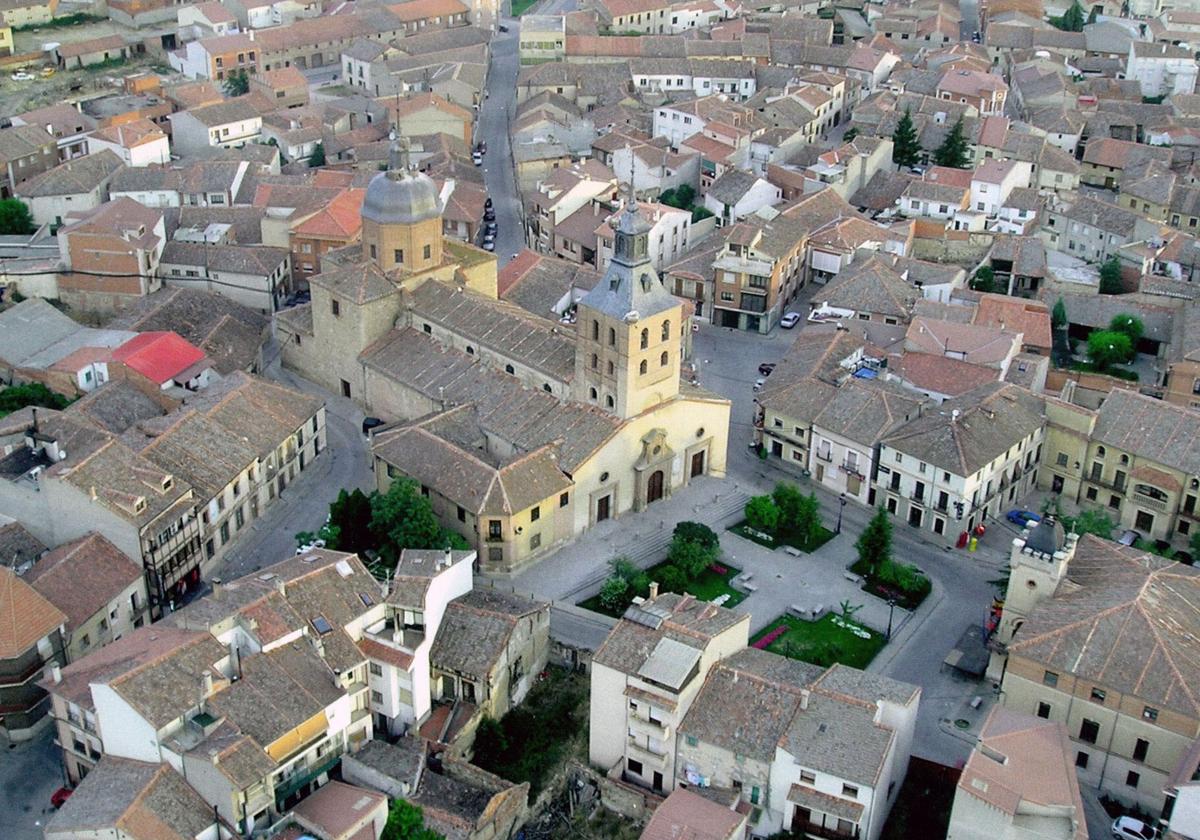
(766, 367)
(370, 423)
(487, 205)
(489, 215)
(60, 796)
(502, 28)
(1022, 518)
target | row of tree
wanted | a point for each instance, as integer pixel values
(954, 151)
(694, 547)
(787, 515)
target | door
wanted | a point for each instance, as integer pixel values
(801, 818)
(1056, 486)
(914, 516)
(1144, 522)
(698, 464)
(658, 780)
(602, 508)
(654, 487)
(820, 473)
(777, 449)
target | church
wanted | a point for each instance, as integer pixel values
(523, 431)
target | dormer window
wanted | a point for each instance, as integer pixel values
(167, 482)
(139, 505)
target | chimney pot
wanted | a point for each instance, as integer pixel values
(56, 672)
(653, 589)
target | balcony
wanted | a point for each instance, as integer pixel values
(817, 830)
(287, 786)
(851, 468)
(919, 498)
(652, 728)
(640, 745)
(1149, 501)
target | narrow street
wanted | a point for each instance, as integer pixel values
(493, 127)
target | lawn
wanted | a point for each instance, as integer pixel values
(822, 642)
(709, 585)
(909, 599)
(520, 7)
(772, 541)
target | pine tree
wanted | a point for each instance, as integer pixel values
(1058, 316)
(1072, 20)
(317, 158)
(906, 147)
(954, 151)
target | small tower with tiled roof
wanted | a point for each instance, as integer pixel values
(402, 217)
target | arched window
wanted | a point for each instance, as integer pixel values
(664, 359)
(642, 367)
(608, 401)
(645, 339)
(470, 350)
(547, 388)
(1100, 451)
(612, 337)
(595, 330)
(510, 369)
(592, 393)
(666, 330)
(595, 361)
(610, 368)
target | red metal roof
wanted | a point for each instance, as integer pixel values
(158, 356)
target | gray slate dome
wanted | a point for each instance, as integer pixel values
(400, 197)
(1047, 536)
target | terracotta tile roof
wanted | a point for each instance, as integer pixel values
(941, 374)
(83, 576)
(158, 356)
(341, 218)
(414, 10)
(420, 101)
(26, 616)
(1030, 318)
(384, 653)
(685, 815)
(92, 45)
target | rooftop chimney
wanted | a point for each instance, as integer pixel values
(206, 681)
(217, 589)
(55, 672)
(653, 589)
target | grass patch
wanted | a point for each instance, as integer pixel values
(530, 742)
(520, 7)
(1115, 372)
(76, 19)
(909, 598)
(771, 541)
(822, 642)
(710, 584)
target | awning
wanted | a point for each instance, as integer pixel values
(835, 806)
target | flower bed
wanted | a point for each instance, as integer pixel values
(713, 583)
(824, 642)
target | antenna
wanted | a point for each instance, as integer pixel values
(631, 201)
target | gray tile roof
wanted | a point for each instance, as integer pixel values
(1129, 621)
(871, 287)
(840, 738)
(685, 620)
(730, 187)
(476, 629)
(74, 177)
(991, 419)
(1151, 429)
(256, 261)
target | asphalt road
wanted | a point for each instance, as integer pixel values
(29, 774)
(495, 116)
(969, 9)
(303, 506)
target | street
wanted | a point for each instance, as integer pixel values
(498, 108)
(29, 773)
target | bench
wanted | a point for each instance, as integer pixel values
(977, 702)
(750, 587)
(853, 578)
(798, 611)
(818, 611)
(792, 550)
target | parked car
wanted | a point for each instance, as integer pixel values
(1129, 537)
(918, 169)
(976, 37)
(758, 385)
(1022, 518)
(60, 796)
(490, 227)
(789, 320)
(477, 157)
(489, 215)
(1127, 828)
(487, 205)
(489, 245)
(22, 76)
(502, 28)
(370, 423)
(766, 367)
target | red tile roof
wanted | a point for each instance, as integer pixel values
(382, 653)
(25, 616)
(158, 356)
(341, 217)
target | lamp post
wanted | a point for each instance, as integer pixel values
(841, 507)
(891, 608)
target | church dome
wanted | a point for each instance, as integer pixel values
(400, 197)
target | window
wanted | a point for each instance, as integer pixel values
(427, 252)
(592, 393)
(664, 359)
(225, 532)
(1061, 460)
(612, 337)
(595, 361)
(376, 670)
(1050, 678)
(642, 367)
(692, 741)
(493, 529)
(645, 339)
(849, 790)
(1043, 710)
(564, 499)
(335, 308)
(1089, 731)
(1140, 749)
(321, 624)
(634, 767)
(1132, 778)
(376, 697)
(1081, 760)
(808, 777)
(1149, 713)
(595, 333)
(535, 542)
(399, 255)
(666, 330)
(1098, 695)
(608, 402)
(535, 514)
(462, 514)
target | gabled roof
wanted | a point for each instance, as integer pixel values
(83, 576)
(26, 616)
(873, 287)
(158, 356)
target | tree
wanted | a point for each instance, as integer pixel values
(406, 821)
(672, 579)
(1194, 546)
(984, 279)
(491, 743)
(614, 594)
(1128, 324)
(697, 532)
(16, 397)
(799, 515)
(954, 151)
(850, 134)
(874, 544)
(1107, 348)
(691, 558)
(1110, 277)
(1058, 315)
(15, 218)
(1091, 522)
(350, 514)
(681, 197)
(762, 514)
(1073, 19)
(317, 158)
(237, 83)
(403, 518)
(906, 146)
(848, 610)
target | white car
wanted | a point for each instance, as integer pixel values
(789, 320)
(1127, 828)
(758, 385)
(21, 76)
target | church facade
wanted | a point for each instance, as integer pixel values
(522, 431)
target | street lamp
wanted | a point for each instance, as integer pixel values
(891, 608)
(841, 506)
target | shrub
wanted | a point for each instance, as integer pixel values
(697, 532)
(614, 594)
(691, 558)
(762, 514)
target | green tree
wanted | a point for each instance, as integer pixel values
(406, 821)
(403, 518)
(317, 158)
(15, 218)
(1058, 315)
(16, 397)
(906, 146)
(1130, 325)
(691, 558)
(1091, 522)
(1107, 348)
(1110, 277)
(762, 514)
(237, 83)
(350, 514)
(799, 515)
(697, 532)
(984, 279)
(874, 544)
(672, 579)
(1072, 20)
(954, 151)
(848, 610)
(1194, 546)
(850, 134)
(491, 743)
(614, 594)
